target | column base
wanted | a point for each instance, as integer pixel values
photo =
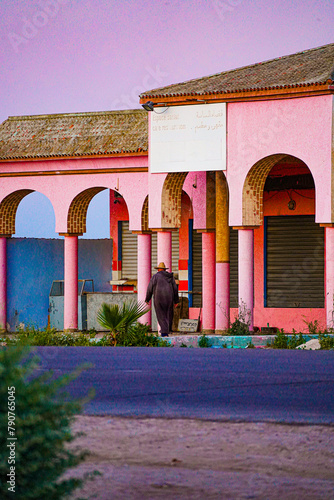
(208, 331)
(220, 332)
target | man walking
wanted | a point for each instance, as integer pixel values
(165, 296)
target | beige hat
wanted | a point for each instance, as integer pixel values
(161, 266)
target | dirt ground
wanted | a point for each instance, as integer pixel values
(156, 458)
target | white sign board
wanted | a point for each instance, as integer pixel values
(188, 325)
(188, 138)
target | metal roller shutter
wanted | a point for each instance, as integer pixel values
(197, 269)
(129, 252)
(234, 302)
(294, 252)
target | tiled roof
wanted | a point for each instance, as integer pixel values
(74, 135)
(313, 66)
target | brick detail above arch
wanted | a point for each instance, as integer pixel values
(8, 209)
(171, 200)
(144, 216)
(222, 226)
(76, 219)
(252, 195)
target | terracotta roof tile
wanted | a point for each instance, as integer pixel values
(308, 67)
(74, 134)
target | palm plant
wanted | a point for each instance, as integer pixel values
(118, 320)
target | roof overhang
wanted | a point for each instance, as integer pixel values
(266, 93)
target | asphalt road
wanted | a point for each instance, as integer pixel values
(222, 384)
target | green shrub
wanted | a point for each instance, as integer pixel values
(295, 340)
(48, 337)
(280, 340)
(326, 342)
(313, 327)
(42, 428)
(238, 327)
(203, 341)
(137, 335)
(119, 319)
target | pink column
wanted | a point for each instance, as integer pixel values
(3, 283)
(246, 275)
(208, 280)
(222, 295)
(329, 276)
(164, 241)
(71, 283)
(144, 271)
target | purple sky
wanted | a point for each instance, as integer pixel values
(61, 56)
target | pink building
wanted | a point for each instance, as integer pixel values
(235, 195)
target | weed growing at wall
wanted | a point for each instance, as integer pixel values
(296, 340)
(326, 341)
(280, 341)
(250, 345)
(203, 341)
(313, 327)
(240, 325)
(283, 341)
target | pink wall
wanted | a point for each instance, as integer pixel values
(197, 196)
(62, 189)
(155, 185)
(297, 127)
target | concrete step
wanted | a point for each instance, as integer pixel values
(221, 341)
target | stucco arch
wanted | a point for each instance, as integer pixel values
(144, 216)
(171, 200)
(8, 209)
(252, 193)
(77, 213)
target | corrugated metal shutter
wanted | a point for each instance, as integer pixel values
(197, 269)
(295, 262)
(175, 252)
(234, 268)
(129, 252)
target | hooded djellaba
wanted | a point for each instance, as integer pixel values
(165, 296)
